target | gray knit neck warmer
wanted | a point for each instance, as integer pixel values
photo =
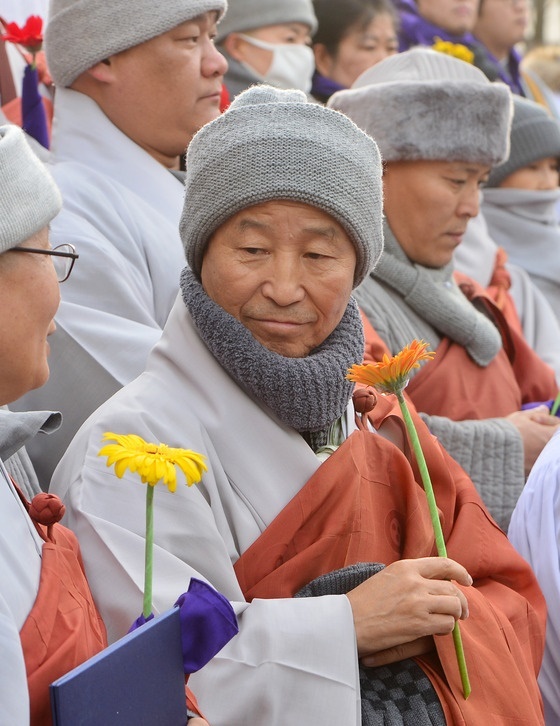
(433, 294)
(307, 394)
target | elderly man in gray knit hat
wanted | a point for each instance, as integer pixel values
(266, 41)
(134, 81)
(309, 490)
(441, 126)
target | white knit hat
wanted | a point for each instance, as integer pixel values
(30, 199)
(81, 33)
(274, 144)
(246, 15)
(422, 104)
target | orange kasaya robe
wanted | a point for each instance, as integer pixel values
(63, 628)
(453, 385)
(364, 504)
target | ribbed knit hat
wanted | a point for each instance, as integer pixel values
(273, 144)
(534, 135)
(422, 104)
(81, 33)
(246, 15)
(29, 199)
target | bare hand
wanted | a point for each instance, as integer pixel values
(408, 600)
(536, 427)
(196, 721)
(400, 652)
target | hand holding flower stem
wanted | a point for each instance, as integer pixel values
(391, 376)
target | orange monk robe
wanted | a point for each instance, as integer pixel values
(365, 504)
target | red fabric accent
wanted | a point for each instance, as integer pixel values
(224, 98)
(365, 505)
(63, 628)
(498, 291)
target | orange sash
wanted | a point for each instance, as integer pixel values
(364, 505)
(63, 628)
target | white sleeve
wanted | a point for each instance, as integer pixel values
(14, 696)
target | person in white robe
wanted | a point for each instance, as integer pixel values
(533, 531)
(282, 220)
(135, 80)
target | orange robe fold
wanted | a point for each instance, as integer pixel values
(364, 504)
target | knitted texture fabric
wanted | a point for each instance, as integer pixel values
(246, 15)
(81, 33)
(30, 198)
(307, 394)
(433, 295)
(421, 104)
(273, 144)
(534, 135)
(399, 694)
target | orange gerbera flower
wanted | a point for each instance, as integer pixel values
(391, 375)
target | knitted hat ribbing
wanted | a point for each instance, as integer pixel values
(534, 135)
(81, 33)
(422, 104)
(246, 15)
(274, 144)
(30, 199)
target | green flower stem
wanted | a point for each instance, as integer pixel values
(555, 405)
(436, 524)
(149, 554)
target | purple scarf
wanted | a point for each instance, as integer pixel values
(415, 30)
(322, 88)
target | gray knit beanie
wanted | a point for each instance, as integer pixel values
(274, 144)
(81, 33)
(422, 104)
(30, 199)
(534, 135)
(246, 15)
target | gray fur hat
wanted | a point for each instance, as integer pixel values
(274, 144)
(534, 135)
(246, 15)
(81, 33)
(30, 199)
(422, 104)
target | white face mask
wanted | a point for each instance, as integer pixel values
(292, 64)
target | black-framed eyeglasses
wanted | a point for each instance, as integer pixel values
(63, 256)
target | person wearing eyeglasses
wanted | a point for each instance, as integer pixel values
(134, 81)
(48, 621)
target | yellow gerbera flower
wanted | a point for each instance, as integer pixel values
(390, 375)
(152, 462)
(456, 50)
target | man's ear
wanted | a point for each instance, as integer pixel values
(233, 45)
(323, 59)
(103, 72)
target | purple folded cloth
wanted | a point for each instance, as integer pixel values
(549, 404)
(33, 116)
(208, 622)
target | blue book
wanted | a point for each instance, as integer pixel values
(137, 681)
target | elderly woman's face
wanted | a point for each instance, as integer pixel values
(428, 205)
(30, 299)
(283, 269)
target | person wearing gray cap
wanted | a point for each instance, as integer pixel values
(266, 41)
(520, 201)
(441, 126)
(309, 490)
(40, 569)
(134, 81)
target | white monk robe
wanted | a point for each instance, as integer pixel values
(294, 660)
(121, 210)
(20, 568)
(534, 531)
